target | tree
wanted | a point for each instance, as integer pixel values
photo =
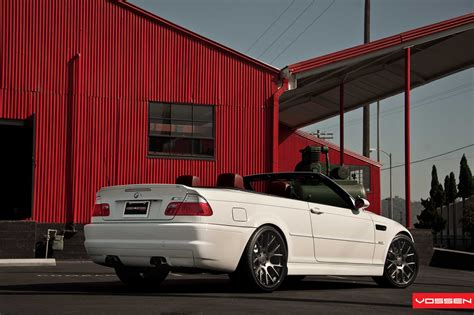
(465, 179)
(436, 192)
(429, 218)
(451, 195)
(447, 188)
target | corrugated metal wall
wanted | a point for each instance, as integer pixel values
(87, 69)
(292, 142)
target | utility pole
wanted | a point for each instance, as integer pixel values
(366, 113)
(378, 132)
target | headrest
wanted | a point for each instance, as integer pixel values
(230, 180)
(281, 189)
(188, 180)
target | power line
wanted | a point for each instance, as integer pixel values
(433, 98)
(421, 103)
(271, 25)
(452, 158)
(431, 157)
(287, 28)
(300, 34)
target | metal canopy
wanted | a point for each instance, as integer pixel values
(375, 71)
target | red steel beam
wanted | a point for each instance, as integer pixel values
(407, 139)
(381, 44)
(341, 123)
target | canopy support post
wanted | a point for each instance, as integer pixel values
(407, 139)
(341, 123)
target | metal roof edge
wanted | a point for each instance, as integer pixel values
(129, 6)
(336, 147)
(383, 43)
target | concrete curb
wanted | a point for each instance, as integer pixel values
(27, 262)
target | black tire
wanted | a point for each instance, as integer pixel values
(142, 277)
(264, 261)
(401, 264)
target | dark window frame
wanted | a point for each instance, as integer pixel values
(338, 190)
(174, 156)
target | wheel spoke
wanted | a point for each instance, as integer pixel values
(272, 252)
(404, 275)
(270, 242)
(278, 275)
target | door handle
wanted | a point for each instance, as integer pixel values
(316, 211)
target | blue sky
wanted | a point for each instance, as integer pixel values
(443, 111)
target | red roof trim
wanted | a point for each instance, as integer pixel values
(125, 4)
(381, 43)
(336, 147)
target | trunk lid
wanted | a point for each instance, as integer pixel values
(140, 202)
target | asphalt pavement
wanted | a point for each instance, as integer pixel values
(83, 288)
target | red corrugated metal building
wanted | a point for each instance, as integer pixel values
(85, 88)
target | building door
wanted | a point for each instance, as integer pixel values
(16, 168)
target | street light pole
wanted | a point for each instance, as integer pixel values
(390, 202)
(390, 206)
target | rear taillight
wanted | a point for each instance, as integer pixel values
(192, 205)
(101, 210)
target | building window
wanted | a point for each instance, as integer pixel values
(181, 130)
(361, 174)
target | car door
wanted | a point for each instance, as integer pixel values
(340, 233)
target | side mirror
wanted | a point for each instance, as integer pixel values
(361, 203)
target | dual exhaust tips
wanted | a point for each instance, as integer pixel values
(114, 261)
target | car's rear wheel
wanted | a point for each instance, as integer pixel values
(401, 264)
(265, 259)
(142, 277)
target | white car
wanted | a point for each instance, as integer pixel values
(260, 229)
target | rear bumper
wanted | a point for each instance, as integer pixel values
(193, 245)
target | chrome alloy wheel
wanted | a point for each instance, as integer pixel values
(269, 257)
(401, 262)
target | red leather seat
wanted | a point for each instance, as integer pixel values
(188, 180)
(281, 189)
(230, 180)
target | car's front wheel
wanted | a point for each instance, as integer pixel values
(401, 264)
(265, 259)
(142, 277)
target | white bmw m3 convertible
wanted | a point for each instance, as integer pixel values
(260, 229)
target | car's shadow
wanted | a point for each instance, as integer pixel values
(203, 289)
(172, 286)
